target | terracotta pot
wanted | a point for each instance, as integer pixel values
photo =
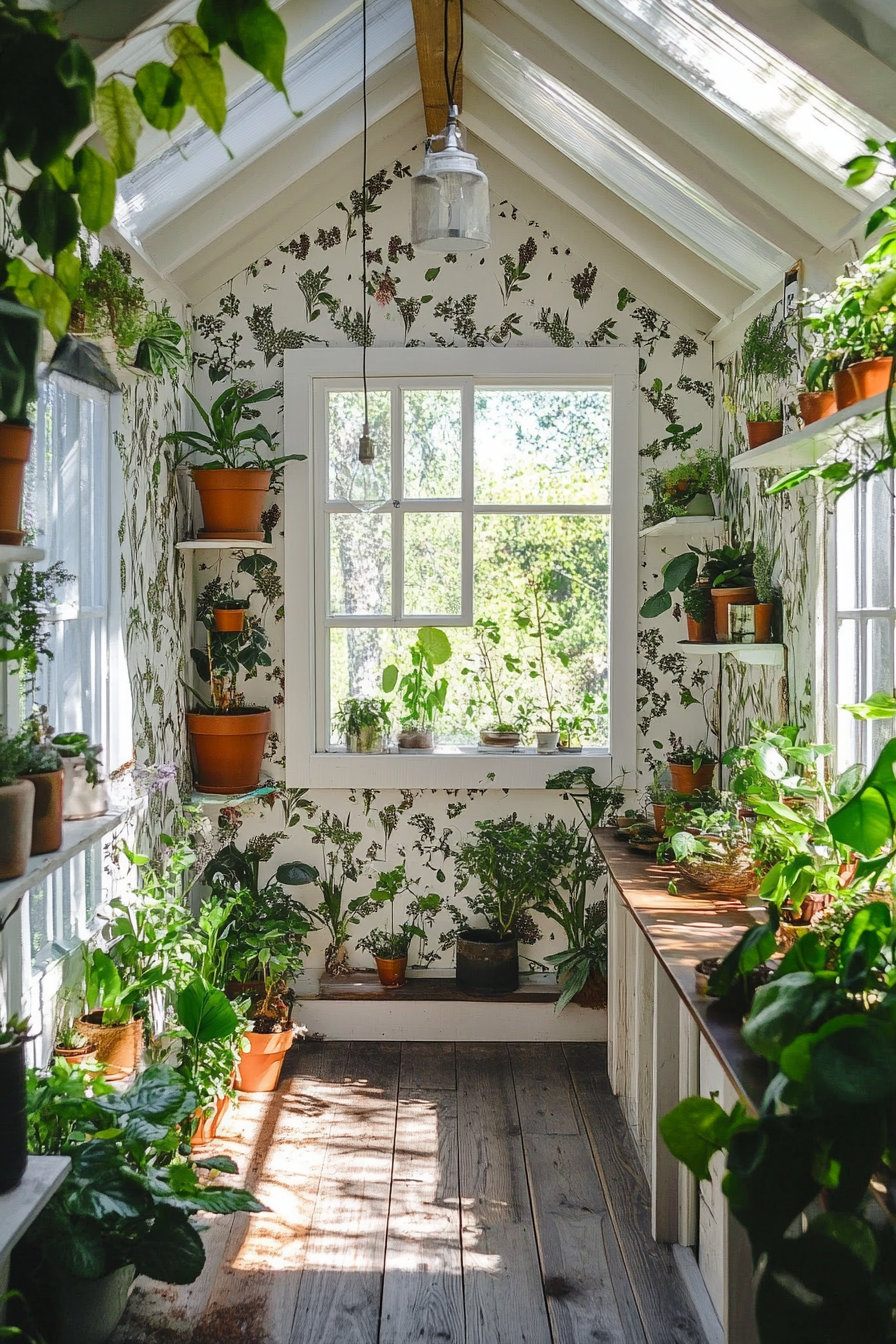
(232, 500)
(118, 1047)
(760, 432)
(721, 601)
(416, 739)
(702, 632)
(79, 1054)
(659, 817)
(207, 1128)
(750, 622)
(229, 619)
(817, 405)
(228, 748)
(80, 798)
(685, 779)
(46, 829)
(15, 447)
(871, 376)
(845, 392)
(260, 1065)
(391, 971)
(16, 817)
(811, 907)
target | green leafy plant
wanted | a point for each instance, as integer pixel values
(357, 713)
(392, 942)
(422, 693)
(263, 930)
(575, 724)
(502, 858)
(674, 489)
(71, 745)
(161, 344)
(210, 1030)
(696, 601)
(729, 566)
(223, 442)
(485, 677)
(569, 865)
(228, 655)
(762, 574)
(767, 360)
(24, 618)
(596, 802)
(12, 758)
(340, 865)
(39, 754)
(679, 754)
(542, 625)
(110, 300)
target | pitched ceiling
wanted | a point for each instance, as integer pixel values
(701, 140)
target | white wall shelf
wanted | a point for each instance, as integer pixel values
(759, 655)
(805, 447)
(219, 544)
(687, 525)
(232, 799)
(76, 835)
(17, 555)
(19, 1207)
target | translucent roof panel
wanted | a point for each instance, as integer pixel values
(611, 155)
(316, 77)
(776, 99)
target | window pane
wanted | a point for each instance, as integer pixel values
(360, 564)
(345, 422)
(432, 564)
(879, 677)
(847, 587)
(432, 441)
(848, 693)
(542, 447)
(878, 506)
(357, 659)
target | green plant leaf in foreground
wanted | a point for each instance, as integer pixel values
(866, 823)
(698, 1128)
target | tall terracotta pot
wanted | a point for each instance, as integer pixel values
(46, 829)
(685, 779)
(760, 432)
(260, 1065)
(228, 748)
(232, 500)
(15, 447)
(16, 818)
(816, 406)
(721, 601)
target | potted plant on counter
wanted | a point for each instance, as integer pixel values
(227, 735)
(16, 809)
(233, 483)
(21, 328)
(570, 865)
(389, 947)
(13, 1124)
(502, 858)
(751, 623)
(42, 765)
(767, 360)
(84, 793)
(364, 722)
(691, 768)
(421, 691)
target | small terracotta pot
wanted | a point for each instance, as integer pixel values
(721, 601)
(228, 748)
(391, 971)
(229, 619)
(232, 500)
(80, 1054)
(811, 907)
(685, 779)
(817, 405)
(15, 448)
(871, 376)
(760, 432)
(207, 1128)
(118, 1047)
(46, 829)
(260, 1065)
(16, 818)
(659, 817)
(702, 632)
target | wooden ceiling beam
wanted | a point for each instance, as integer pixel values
(429, 25)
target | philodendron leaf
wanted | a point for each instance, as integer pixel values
(205, 1012)
(95, 182)
(434, 643)
(171, 1249)
(879, 705)
(199, 70)
(868, 821)
(785, 1009)
(656, 604)
(680, 571)
(120, 121)
(696, 1130)
(252, 30)
(158, 92)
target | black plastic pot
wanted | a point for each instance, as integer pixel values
(13, 1128)
(487, 963)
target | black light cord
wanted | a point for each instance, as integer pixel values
(366, 305)
(451, 82)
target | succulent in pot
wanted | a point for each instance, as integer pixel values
(364, 721)
(421, 691)
(84, 792)
(16, 809)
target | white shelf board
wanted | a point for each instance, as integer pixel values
(220, 544)
(764, 655)
(13, 555)
(76, 835)
(232, 799)
(805, 447)
(687, 525)
(19, 1207)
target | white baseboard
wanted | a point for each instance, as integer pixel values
(353, 1020)
(693, 1280)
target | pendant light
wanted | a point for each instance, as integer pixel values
(449, 196)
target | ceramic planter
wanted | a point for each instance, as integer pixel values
(228, 748)
(16, 817)
(546, 742)
(46, 828)
(15, 448)
(367, 740)
(487, 963)
(760, 432)
(491, 737)
(118, 1047)
(816, 406)
(721, 601)
(78, 1054)
(701, 506)
(416, 739)
(229, 620)
(80, 798)
(391, 971)
(569, 748)
(260, 1065)
(685, 779)
(232, 501)
(88, 1310)
(811, 907)
(871, 376)
(13, 1123)
(750, 623)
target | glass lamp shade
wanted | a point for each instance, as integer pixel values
(449, 198)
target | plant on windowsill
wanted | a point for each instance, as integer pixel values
(509, 717)
(364, 722)
(691, 768)
(16, 809)
(42, 765)
(578, 724)
(233, 483)
(545, 632)
(84, 793)
(569, 865)
(389, 947)
(767, 360)
(421, 692)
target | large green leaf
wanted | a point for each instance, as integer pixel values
(251, 29)
(868, 821)
(696, 1130)
(20, 334)
(872, 922)
(656, 604)
(434, 643)
(157, 90)
(680, 571)
(48, 215)
(119, 119)
(879, 705)
(785, 1009)
(753, 949)
(95, 183)
(199, 70)
(205, 1012)
(296, 874)
(172, 1250)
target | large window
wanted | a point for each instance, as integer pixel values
(492, 499)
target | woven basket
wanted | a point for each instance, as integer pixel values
(730, 876)
(119, 1048)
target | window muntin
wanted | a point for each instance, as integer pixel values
(532, 466)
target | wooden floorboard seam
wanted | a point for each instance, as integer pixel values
(379, 1324)
(547, 1304)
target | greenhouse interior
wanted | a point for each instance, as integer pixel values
(448, 671)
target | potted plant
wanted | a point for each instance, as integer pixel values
(16, 809)
(364, 722)
(42, 765)
(685, 489)
(229, 613)
(21, 327)
(84, 793)
(339, 864)
(544, 631)
(72, 1046)
(228, 737)
(501, 857)
(210, 1031)
(570, 865)
(751, 623)
(697, 605)
(730, 573)
(573, 725)
(679, 575)
(596, 803)
(509, 718)
(422, 693)
(389, 947)
(109, 1023)
(714, 852)
(233, 483)
(13, 1125)
(767, 360)
(266, 1042)
(856, 323)
(691, 768)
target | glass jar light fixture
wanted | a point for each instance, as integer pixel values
(449, 196)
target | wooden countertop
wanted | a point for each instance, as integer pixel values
(682, 930)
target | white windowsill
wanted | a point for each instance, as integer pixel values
(76, 835)
(448, 768)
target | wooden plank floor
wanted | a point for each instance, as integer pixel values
(430, 1194)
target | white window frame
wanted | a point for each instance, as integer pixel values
(305, 373)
